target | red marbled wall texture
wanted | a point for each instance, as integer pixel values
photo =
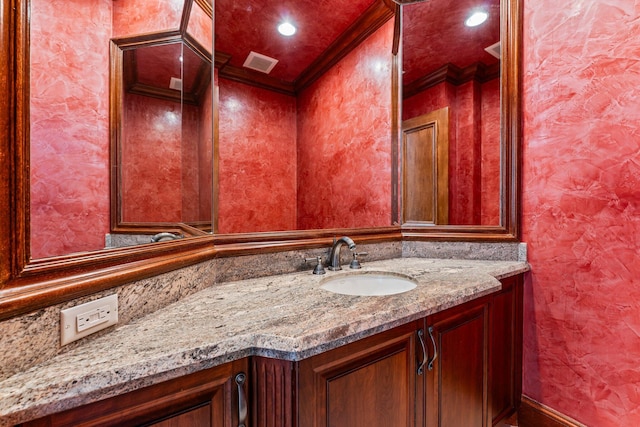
(581, 208)
(69, 115)
(205, 156)
(131, 17)
(165, 145)
(69, 130)
(474, 146)
(151, 160)
(490, 156)
(257, 159)
(344, 133)
(200, 27)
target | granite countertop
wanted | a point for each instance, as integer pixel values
(286, 316)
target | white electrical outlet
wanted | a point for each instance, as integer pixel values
(85, 319)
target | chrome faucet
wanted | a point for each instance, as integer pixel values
(334, 258)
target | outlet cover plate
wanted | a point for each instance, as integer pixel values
(85, 319)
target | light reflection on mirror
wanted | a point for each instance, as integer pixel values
(446, 66)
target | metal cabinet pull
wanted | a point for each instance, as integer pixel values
(424, 352)
(242, 400)
(435, 349)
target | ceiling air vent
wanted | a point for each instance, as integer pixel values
(176, 83)
(494, 50)
(259, 62)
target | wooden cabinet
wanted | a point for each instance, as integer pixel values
(207, 398)
(458, 367)
(505, 350)
(471, 376)
(456, 384)
(476, 376)
(367, 383)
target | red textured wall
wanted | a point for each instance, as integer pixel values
(69, 130)
(200, 27)
(257, 159)
(131, 17)
(490, 137)
(582, 208)
(151, 160)
(344, 145)
(205, 157)
(166, 160)
(474, 146)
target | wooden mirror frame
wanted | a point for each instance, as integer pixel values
(27, 285)
(117, 83)
(510, 135)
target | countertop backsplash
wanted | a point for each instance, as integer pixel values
(31, 339)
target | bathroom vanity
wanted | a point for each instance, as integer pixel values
(445, 353)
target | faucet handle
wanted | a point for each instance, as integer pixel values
(355, 264)
(319, 268)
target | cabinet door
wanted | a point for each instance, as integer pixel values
(456, 392)
(505, 370)
(204, 399)
(369, 383)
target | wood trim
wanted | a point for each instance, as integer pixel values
(221, 59)
(274, 383)
(397, 30)
(206, 6)
(451, 74)
(8, 166)
(118, 81)
(254, 78)
(511, 112)
(396, 96)
(535, 414)
(215, 196)
(254, 243)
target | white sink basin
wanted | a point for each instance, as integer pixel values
(368, 284)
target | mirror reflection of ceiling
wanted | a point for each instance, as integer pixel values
(434, 34)
(243, 26)
(151, 70)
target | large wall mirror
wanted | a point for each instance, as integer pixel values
(460, 126)
(305, 119)
(451, 112)
(339, 94)
(299, 156)
(84, 146)
(162, 139)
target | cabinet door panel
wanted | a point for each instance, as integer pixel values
(197, 417)
(372, 395)
(457, 385)
(206, 398)
(370, 383)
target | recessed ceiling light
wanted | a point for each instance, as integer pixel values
(286, 29)
(476, 19)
